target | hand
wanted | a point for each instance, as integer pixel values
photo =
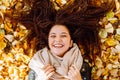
(74, 73)
(49, 70)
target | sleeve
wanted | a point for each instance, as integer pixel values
(86, 71)
(31, 75)
(36, 63)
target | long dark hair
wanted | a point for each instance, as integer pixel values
(81, 16)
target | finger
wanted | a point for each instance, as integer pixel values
(50, 70)
(71, 71)
(75, 67)
(47, 68)
(50, 74)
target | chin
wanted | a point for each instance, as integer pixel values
(60, 55)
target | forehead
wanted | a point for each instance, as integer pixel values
(59, 28)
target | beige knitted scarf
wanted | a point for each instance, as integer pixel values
(42, 57)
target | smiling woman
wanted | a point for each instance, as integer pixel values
(62, 60)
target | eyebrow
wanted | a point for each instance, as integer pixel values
(64, 33)
(61, 33)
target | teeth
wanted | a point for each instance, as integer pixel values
(58, 45)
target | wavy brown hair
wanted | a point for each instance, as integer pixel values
(81, 17)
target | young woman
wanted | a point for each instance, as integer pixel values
(62, 60)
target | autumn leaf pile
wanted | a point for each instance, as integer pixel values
(14, 47)
(107, 66)
(16, 51)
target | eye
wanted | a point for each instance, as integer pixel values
(52, 36)
(63, 36)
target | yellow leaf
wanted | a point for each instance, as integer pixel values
(2, 45)
(8, 27)
(2, 34)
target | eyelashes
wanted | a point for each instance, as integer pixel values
(61, 36)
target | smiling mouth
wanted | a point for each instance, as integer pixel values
(58, 46)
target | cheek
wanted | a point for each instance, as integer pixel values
(68, 43)
(50, 41)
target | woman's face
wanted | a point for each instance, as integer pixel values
(59, 40)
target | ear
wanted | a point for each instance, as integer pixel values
(71, 43)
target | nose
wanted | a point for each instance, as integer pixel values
(57, 39)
